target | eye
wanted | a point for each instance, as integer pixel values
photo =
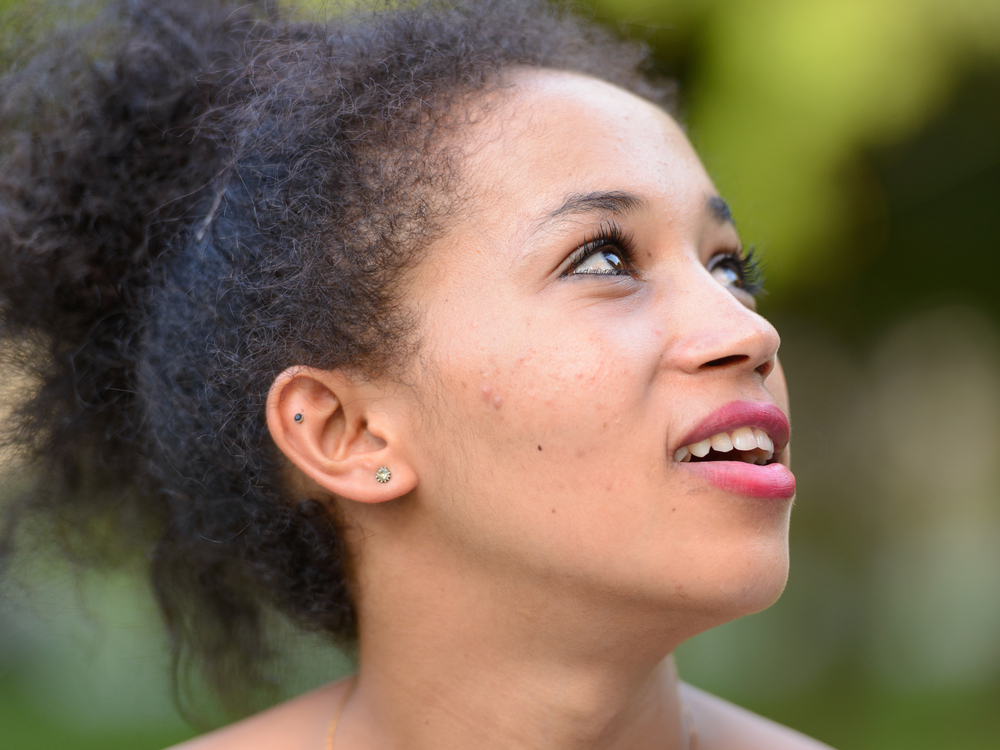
(737, 271)
(607, 254)
(727, 272)
(606, 260)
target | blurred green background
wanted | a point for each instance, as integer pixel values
(858, 142)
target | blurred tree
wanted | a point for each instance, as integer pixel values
(784, 94)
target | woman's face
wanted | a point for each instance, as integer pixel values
(582, 322)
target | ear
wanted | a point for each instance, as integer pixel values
(324, 422)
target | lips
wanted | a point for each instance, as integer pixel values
(738, 448)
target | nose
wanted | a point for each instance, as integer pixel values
(716, 332)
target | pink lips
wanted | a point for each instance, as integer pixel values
(772, 481)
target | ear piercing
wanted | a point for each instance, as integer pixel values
(383, 474)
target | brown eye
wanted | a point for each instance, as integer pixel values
(605, 260)
(727, 275)
(608, 253)
(728, 270)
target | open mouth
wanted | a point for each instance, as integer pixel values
(747, 444)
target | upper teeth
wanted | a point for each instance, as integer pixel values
(753, 445)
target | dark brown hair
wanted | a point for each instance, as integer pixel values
(193, 197)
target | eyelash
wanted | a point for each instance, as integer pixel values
(609, 235)
(612, 235)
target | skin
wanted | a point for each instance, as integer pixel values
(536, 557)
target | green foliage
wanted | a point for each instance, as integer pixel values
(784, 95)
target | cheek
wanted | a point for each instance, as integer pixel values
(544, 419)
(518, 384)
(777, 386)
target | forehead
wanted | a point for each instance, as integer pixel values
(555, 133)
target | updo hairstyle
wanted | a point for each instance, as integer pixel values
(194, 196)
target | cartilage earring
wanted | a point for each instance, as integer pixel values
(298, 418)
(383, 475)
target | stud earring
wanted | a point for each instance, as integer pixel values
(298, 418)
(383, 475)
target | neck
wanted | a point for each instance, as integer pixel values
(455, 663)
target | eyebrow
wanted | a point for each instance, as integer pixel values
(616, 202)
(622, 203)
(720, 210)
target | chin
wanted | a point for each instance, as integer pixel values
(747, 583)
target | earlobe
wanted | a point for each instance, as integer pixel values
(324, 423)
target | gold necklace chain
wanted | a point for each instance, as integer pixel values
(331, 733)
(688, 718)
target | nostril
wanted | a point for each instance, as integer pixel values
(732, 359)
(765, 369)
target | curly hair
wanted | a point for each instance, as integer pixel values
(195, 196)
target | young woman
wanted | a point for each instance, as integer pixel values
(424, 328)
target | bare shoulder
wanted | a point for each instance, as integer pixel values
(724, 726)
(298, 723)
